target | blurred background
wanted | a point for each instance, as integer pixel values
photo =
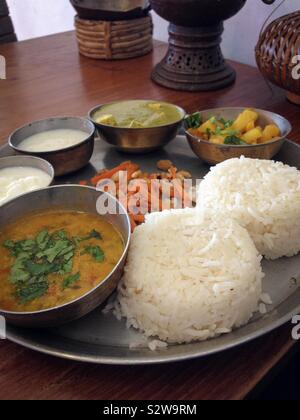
(36, 18)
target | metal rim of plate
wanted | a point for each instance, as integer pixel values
(72, 343)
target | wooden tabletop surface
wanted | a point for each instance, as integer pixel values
(47, 77)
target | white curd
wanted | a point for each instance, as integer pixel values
(16, 181)
(53, 140)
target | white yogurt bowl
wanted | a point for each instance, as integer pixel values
(38, 173)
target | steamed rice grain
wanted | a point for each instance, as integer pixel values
(190, 276)
(262, 196)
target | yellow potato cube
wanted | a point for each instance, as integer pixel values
(217, 139)
(250, 126)
(270, 132)
(155, 107)
(208, 125)
(135, 124)
(253, 136)
(242, 121)
(107, 120)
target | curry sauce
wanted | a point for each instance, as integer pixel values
(52, 258)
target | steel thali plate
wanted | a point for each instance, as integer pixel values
(102, 339)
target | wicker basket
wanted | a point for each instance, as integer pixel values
(114, 40)
(277, 47)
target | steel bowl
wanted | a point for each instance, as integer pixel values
(28, 161)
(111, 10)
(216, 153)
(64, 161)
(137, 140)
(67, 197)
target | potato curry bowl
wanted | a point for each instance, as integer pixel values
(224, 133)
(60, 259)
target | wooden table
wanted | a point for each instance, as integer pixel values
(47, 77)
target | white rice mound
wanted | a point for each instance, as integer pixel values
(261, 195)
(190, 276)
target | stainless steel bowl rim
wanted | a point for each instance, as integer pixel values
(45, 311)
(98, 107)
(245, 146)
(227, 146)
(58, 118)
(30, 158)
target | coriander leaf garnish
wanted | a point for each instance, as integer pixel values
(95, 235)
(219, 131)
(66, 268)
(58, 249)
(46, 254)
(69, 281)
(234, 140)
(62, 234)
(208, 132)
(213, 121)
(226, 123)
(40, 269)
(27, 245)
(42, 239)
(92, 235)
(193, 121)
(95, 251)
(230, 133)
(18, 272)
(17, 248)
(9, 245)
(68, 256)
(36, 289)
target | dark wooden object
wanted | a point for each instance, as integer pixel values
(34, 89)
(6, 26)
(275, 52)
(118, 40)
(100, 10)
(3, 8)
(7, 33)
(194, 61)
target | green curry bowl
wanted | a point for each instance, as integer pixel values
(137, 126)
(67, 198)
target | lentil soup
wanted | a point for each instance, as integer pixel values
(52, 258)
